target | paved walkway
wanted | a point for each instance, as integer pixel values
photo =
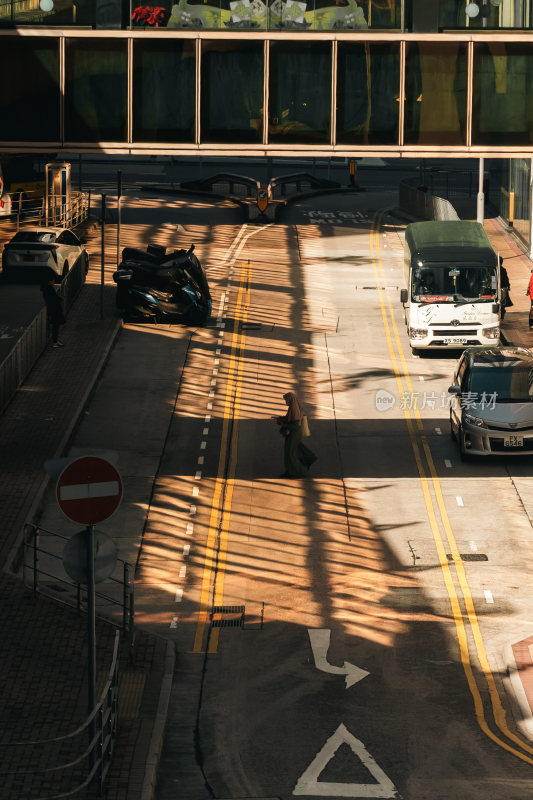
(43, 654)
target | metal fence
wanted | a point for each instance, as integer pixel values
(16, 366)
(30, 208)
(101, 729)
(43, 570)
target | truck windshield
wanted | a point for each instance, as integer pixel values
(453, 284)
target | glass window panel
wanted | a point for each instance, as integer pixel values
(29, 99)
(232, 91)
(488, 15)
(300, 92)
(502, 112)
(164, 74)
(368, 87)
(355, 15)
(96, 90)
(435, 93)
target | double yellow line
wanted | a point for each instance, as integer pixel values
(433, 503)
(217, 537)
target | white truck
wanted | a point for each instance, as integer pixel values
(453, 293)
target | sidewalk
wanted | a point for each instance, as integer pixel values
(43, 661)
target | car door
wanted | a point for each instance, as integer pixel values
(70, 247)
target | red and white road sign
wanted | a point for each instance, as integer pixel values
(89, 490)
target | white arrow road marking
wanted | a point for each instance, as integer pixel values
(319, 638)
(309, 783)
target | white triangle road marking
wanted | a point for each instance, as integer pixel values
(308, 783)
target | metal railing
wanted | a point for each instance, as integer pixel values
(20, 360)
(35, 574)
(29, 208)
(101, 726)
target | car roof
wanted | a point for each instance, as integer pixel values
(498, 356)
(39, 229)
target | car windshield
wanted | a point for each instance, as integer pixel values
(34, 236)
(453, 284)
(504, 383)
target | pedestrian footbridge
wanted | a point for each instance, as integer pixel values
(269, 93)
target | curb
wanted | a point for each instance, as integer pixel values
(156, 740)
(17, 551)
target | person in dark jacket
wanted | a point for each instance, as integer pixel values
(505, 285)
(54, 308)
(297, 456)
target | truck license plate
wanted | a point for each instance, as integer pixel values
(454, 340)
(513, 441)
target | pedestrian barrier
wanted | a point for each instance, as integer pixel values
(424, 205)
(43, 570)
(101, 728)
(29, 208)
(16, 366)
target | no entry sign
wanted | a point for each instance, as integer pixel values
(89, 490)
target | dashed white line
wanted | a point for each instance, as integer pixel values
(200, 459)
(216, 362)
(438, 430)
(213, 381)
(196, 491)
(207, 418)
(198, 475)
(186, 549)
(203, 445)
(190, 529)
(209, 406)
(218, 352)
(174, 623)
(473, 546)
(183, 571)
(205, 432)
(420, 377)
(211, 394)
(192, 511)
(447, 463)
(488, 596)
(459, 501)
(215, 371)
(179, 595)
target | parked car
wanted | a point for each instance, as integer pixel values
(35, 253)
(493, 411)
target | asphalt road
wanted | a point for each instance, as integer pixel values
(396, 559)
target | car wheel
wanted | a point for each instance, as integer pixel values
(463, 452)
(453, 435)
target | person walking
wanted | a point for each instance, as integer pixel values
(529, 292)
(296, 455)
(505, 286)
(54, 309)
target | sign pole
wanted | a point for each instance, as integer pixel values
(102, 269)
(91, 636)
(119, 195)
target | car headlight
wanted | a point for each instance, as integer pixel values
(491, 333)
(418, 333)
(475, 421)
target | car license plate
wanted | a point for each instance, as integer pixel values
(513, 441)
(454, 340)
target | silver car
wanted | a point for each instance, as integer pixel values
(492, 404)
(36, 253)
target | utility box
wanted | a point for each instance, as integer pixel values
(57, 193)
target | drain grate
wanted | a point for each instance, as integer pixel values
(227, 616)
(469, 557)
(250, 326)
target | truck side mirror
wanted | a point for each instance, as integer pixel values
(403, 296)
(456, 390)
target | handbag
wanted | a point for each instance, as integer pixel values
(305, 427)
